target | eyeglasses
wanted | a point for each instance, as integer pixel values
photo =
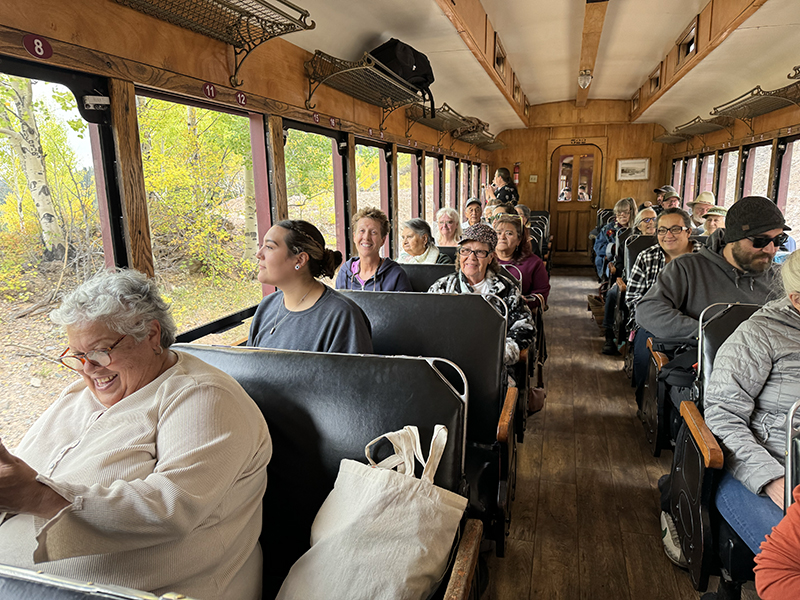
(465, 252)
(676, 230)
(762, 241)
(101, 357)
(649, 220)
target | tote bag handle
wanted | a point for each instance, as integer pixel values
(406, 446)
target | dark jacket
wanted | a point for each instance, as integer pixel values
(690, 283)
(390, 277)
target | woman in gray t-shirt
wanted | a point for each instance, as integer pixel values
(304, 314)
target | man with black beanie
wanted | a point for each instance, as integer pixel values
(735, 266)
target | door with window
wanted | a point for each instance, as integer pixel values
(574, 198)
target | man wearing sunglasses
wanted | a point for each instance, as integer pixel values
(735, 266)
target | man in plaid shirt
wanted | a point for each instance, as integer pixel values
(673, 228)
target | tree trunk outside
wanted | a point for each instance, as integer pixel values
(250, 222)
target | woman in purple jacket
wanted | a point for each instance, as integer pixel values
(514, 252)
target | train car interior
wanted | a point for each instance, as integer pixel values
(174, 137)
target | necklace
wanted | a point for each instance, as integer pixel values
(288, 312)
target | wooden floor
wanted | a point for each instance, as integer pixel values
(585, 521)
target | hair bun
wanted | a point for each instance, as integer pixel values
(331, 259)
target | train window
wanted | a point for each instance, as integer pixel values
(707, 173)
(499, 57)
(463, 192)
(310, 182)
(199, 182)
(476, 181)
(51, 237)
(450, 184)
(756, 170)
(432, 192)
(368, 176)
(689, 180)
(726, 178)
(789, 185)
(677, 173)
(405, 182)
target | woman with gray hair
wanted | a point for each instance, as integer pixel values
(148, 471)
(418, 244)
(449, 226)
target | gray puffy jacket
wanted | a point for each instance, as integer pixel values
(755, 381)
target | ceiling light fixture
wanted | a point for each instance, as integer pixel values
(584, 78)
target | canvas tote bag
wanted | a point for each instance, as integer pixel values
(381, 533)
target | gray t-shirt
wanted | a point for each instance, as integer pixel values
(333, 324)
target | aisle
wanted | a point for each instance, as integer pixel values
(585, 522)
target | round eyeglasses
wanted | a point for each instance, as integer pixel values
(100, 357)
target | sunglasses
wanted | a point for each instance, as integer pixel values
(762, 241)
(101, 357)
(649, 220)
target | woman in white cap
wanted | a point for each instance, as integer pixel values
(700, 207)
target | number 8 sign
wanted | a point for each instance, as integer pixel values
(38, 47)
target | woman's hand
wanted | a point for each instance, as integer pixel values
(21, 493)
(776, 490)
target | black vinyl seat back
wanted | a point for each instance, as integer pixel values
(463, 328)
(449, 251)
(422, 277)
(537, 241)
(321, 408)
(634, 247)
(602, 216)
(717, 322)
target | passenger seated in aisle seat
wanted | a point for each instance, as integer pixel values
(734, 268)
(753, 385)
(699, 208)
(671, 200)
(514, 252)
(477, 272)
(304, 314)
(643, 224)
(369, 271)
(624, 214)
(449, 227)
(149, 469)
(673, 228)
(473, 211)
(418, 246)
(524, 213)
(714, 219)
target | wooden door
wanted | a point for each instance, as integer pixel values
(574, 198)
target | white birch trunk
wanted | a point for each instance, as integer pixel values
(23, 133)
(250, 222)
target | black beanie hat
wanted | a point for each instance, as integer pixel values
(752, 215)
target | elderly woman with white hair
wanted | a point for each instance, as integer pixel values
(149, 470)
(418, 245)
(449, 227)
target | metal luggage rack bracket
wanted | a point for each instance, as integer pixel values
(366, 80)
(445, 121)
(795, 74)
(758, 102)
(699, 126)
(477, 134)
(244, 24)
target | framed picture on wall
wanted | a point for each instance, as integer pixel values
(633, 169)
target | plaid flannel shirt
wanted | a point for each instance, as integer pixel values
(644, 274)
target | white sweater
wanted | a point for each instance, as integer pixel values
(165, 487)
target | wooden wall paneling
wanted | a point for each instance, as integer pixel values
(703, 33)
(130, 175)
(474, 19)
(724, 12)
(566, 113)
(277, 168)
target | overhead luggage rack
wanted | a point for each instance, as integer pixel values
(244, 24)
(446, 119)
(492, 145)
(672, 138)
(366, 80)
(758, 102)
(699, 126)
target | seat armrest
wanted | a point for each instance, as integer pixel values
(621, 284)
(706, 442)
(466, 561)
(240, 342)
(523, 356)
(660, 358)
(504, 426)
